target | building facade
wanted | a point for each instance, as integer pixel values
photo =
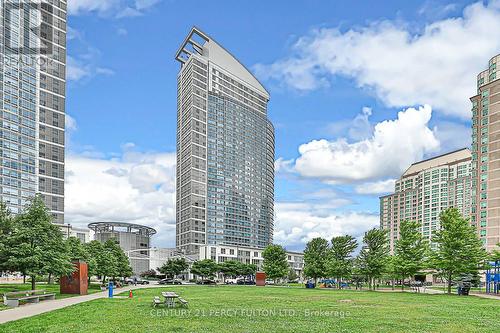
(246, 255)
(159, 256)
(425, 189)
(486, 154)
(134, 239)
(32, 103)
(70, 230)
(225, 150)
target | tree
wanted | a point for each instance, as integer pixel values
(247, 270)
(181, 264)
(459, 250)
(76, 250)
(374, 254)
(94, 250)
(123, 268)
(495, 254)
(6, 228)
(275, 262)
(230, 268)
(410, 251)
(340, 263)
(316, 258)
(292, 276)
(390, 270)
(174, 267)
(103, 261)
(204, 268)
(36, 246)
(150, 273)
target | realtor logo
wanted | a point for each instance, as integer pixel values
(27, 27)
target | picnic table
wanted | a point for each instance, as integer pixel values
(170, 298)
(14, 298)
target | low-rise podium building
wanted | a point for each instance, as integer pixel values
(134, 239)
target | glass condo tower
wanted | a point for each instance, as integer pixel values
(32, 103)
(225, 150)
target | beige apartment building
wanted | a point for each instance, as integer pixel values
(425, 189)
(486, 155)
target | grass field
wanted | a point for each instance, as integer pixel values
(50, 288)
(272, 309)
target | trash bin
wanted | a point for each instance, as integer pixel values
(310, 285)
(110, 289)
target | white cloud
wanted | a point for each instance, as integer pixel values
(379, 187)
(122, 32)
(78, 7)
(70, 123)
(137, 187)
(145, 4)
(282, 165)
(437, 66)
(394, 145)
(76, 70)
(84, 67)
(73, 34)
(296, 224)
(104, 71)
(116, 8)
(453, 135)
(358, 128)
(128, 12)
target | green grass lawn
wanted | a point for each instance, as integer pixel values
(272, 309)
(50, 288)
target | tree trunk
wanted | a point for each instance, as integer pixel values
(49, 280)
(33, 282)
(403, 284)
(24, 278)
(449, 284)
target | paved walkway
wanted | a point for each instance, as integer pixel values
(29, 310)
(438, 291)
(490, 296)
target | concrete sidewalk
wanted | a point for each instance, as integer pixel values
(29, 310)
(440, 292)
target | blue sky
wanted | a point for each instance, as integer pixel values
(363, 90)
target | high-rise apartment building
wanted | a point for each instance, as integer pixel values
(32, 102)
(425, 189)
(486, 154)
(225, 150)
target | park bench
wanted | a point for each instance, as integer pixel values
(169, 301)
(15, 298)
(157, 301)
(183, 302)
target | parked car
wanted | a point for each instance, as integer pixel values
(246, 282)
(269, 282)
(206, 282)
(138, 280)
(169, 281)
(231, 281)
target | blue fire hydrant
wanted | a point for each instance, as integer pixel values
(110, 289)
